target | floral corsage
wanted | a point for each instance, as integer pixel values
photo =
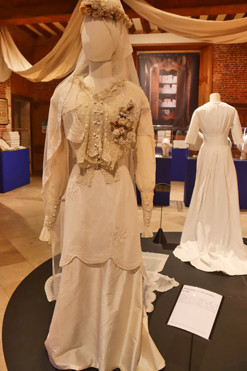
(103, 8)
(122, 128)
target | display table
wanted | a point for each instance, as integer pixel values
(163, 175)
(179, 158)
(14, 169)
(28, 317)
(241, 169)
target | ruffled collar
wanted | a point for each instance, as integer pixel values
(96, 94)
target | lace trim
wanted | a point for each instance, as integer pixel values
(101, 8)
(156, 282)
(86, 175)
(99, 95)
(77, 252)
(147, 207)
(52, 213)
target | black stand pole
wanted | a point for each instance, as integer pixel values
(160, 237)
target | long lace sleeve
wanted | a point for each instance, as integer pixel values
(145, 164)
(55, 169)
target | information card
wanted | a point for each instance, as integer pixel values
(196, 310)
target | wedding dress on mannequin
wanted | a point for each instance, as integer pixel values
(99, 318)
(212, 236)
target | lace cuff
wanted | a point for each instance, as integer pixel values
(50, 220)
(147, 207)
(45, 234)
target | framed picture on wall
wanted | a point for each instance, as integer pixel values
(170, 81)
(3, 111)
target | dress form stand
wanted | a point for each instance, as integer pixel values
(214, 97)
(160, 236)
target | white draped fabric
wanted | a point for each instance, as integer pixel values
(62, 59)
(57, 64)
(219, 32)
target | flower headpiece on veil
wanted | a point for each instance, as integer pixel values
(111, 9)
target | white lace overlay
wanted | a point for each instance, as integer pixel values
(147, 207)
(72, 189)
(118, 237)
(154, 281)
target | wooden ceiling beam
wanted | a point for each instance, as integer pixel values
(41, 30)
(229, 17)
(197, 10)
(28, 31)
(212, 17)
(54, 28)
(145, 25)
(64, 24)
(18, 12)
(62, 18)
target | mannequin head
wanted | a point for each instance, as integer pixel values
(99, 38)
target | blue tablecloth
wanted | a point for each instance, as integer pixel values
(14, 169)
(163, 175)
(179, 158)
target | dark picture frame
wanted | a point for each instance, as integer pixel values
(170, 80)
(4, 118)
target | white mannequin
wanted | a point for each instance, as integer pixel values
(98, 45)
(214, 97)
(165, 147)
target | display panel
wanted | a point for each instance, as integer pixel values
(3, 111)
(170, 81)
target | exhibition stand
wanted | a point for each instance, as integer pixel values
(241, 170)
(179, 157)
(28, 316)
(14, 169)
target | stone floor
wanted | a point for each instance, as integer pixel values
(21, 219)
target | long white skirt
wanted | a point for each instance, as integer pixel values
(99, 318)
(99, 321)
(212, 236)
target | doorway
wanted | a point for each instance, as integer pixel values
(21, 122)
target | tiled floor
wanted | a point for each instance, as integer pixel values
(21, 219)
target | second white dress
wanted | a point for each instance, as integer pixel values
(212, 235)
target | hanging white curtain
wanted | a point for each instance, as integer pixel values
(217, 32)
(56, 64)
(62, 59)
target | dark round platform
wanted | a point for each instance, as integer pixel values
(28, 316)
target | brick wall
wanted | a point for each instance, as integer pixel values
(230, 72)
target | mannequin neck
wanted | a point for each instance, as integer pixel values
(215, 97)
(100, 75)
